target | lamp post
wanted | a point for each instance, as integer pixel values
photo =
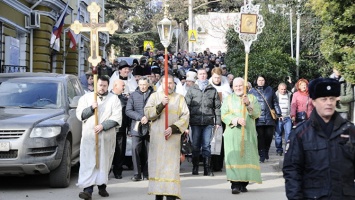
(165, 30)
(191, 26)
(298, 26)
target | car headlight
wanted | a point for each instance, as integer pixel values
(45, 132)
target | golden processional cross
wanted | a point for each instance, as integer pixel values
(94, 28)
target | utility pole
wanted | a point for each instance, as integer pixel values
(298, 39)
(191, 44)
(291, 32)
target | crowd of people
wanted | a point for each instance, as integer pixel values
(203, 97)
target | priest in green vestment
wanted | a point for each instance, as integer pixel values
(241, 147)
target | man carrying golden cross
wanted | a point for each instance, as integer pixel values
(99, 116)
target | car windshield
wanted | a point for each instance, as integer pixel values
(29, 94)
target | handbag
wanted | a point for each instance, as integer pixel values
(272, 111)
(142, 129)
(186, 145)
(301, 116)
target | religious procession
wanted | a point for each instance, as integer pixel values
(216, 92)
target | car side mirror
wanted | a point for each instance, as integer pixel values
(74, 102)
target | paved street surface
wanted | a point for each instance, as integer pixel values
(193, 187)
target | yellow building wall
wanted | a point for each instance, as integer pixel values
(13, 15)
(17, 17)
(42, 51)
(41, 46)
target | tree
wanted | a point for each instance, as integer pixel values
(337, 34)
(137, 19)
(270, 54)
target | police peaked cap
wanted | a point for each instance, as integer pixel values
(324, 87)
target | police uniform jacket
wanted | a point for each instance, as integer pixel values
(320, 166)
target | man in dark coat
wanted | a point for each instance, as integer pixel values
(121, 132)
(320, 154)
(139, 128)
(103, 69)
(204, 105)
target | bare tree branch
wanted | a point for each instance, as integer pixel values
(206, 4)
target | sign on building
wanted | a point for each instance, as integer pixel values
(192, 35)
(148, 44)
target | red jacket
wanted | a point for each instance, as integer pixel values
(301, 101)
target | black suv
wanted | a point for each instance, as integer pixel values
(39, 131)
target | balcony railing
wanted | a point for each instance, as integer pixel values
(12, 69)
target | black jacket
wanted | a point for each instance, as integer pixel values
(271, 98)
(204, 106)
(107, 71)
(320, 166)
(125, 119)
(135, 109)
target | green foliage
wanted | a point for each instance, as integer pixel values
(270, 54)
(137, 21)
(337, 33)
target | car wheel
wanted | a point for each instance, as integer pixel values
(60, 177)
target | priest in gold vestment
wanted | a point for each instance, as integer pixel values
(164, 148)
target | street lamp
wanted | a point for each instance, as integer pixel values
(165, 30)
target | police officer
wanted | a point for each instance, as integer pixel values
(320, 154)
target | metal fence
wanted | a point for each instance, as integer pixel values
(12, 69)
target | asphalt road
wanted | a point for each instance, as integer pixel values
(193, 187)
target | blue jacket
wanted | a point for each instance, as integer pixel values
(266, 92)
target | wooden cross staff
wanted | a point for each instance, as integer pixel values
(94, 28)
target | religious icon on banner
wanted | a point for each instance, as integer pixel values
(248, 23)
